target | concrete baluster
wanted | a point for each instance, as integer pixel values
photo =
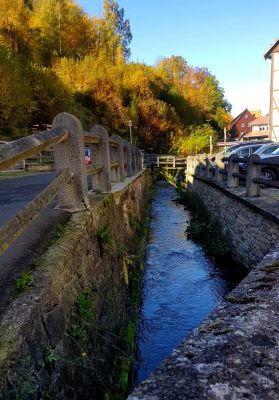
(137, 159)
(203, 165)
(101, 182)
(196, 165)
(140, 160)
(233, 167)
(70, 154)
(253, 171)
(188, 165)
(128, 158)
(218, 177)
(208, 172)
(133, 155)
(119, 157)
(192, 165)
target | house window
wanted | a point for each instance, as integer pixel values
(243, 125)
(246, 116)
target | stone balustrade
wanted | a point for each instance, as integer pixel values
(225, 170)
(112, 160)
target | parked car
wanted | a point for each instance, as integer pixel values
(233, 148)
(268, 151)
(271, 172)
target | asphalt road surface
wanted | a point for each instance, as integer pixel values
(15, 193)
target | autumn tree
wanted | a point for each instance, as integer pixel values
(54, 57)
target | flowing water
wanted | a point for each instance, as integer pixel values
(181, 285)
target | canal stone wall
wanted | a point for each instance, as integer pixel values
(75, 320)
(250, 225)
(233, 354)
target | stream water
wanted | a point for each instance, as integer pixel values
(181, 285)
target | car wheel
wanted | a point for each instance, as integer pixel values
(268, 175)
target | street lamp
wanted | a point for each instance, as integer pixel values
(130, 126)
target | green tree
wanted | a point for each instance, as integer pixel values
(197, 140)
(117, 31)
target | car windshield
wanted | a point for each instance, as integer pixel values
(276, 152)
(229, 150)
(267, 149)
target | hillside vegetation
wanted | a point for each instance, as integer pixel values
(54, 58)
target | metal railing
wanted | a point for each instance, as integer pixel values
(112, 160)
(226, 170)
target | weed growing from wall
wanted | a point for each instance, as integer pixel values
(23, 282)
(203, 228)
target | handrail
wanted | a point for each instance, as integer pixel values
(20, 149)
(93, 170)
(91, 139)
(114, 164)
(113, 143)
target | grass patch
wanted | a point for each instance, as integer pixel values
(104, 236)
(23, 282)
(57, 233)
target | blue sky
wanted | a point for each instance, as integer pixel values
(229, 37)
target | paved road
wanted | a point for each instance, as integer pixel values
(16, 192)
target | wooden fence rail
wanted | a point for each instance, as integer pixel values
(165, 161)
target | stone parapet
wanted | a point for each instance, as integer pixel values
(250, 225)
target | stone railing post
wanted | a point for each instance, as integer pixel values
(128, 159)
(70, 154)
(208, 166)
(192, 165)
(139, 160)
(133, 158)
(203, 165)
(196, 165)
(253, 171)
(101, 182)
(233, 167)
(119, 157)
(218, 177)
(188, 168)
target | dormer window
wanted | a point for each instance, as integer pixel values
(246, 116)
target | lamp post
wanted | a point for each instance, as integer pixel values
(130, 126)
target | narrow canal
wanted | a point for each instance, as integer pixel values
(181, 285)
